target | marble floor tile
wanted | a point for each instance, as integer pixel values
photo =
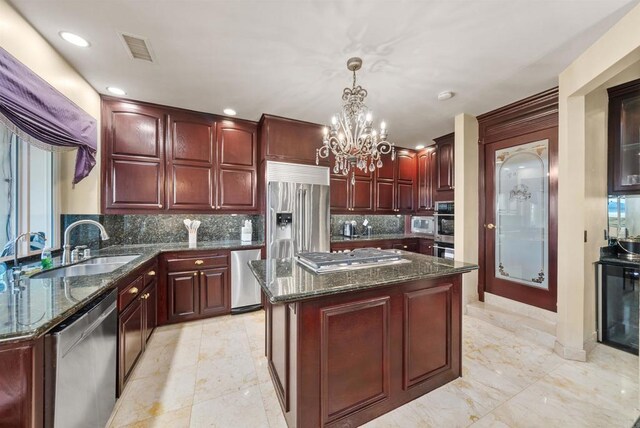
(213, 373)
(272, 405)
(154, 395)
(175, 419)
(220, 376)
(243, 408)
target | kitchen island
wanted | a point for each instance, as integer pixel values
(346, 347)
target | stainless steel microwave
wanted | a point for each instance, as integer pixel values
(423, 224)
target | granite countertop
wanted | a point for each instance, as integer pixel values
(41, 304)
(618, 262)
(286, 281)
(381, 237)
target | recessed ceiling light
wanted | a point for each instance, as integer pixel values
(445, 95)
(420, 147)
(74, 39)
(229, 112)
(116, 91)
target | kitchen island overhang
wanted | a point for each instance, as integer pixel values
(344, 348)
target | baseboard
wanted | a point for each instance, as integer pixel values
(570, 353)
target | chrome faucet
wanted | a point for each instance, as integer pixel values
(66, 254)
(16, 267)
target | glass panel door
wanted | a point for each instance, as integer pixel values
(522, 214)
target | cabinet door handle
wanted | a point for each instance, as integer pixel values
(199, 262)
(152, 273)
(133, 290)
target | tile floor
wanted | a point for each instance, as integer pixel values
(213, 373)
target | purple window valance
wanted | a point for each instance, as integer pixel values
(39, 114)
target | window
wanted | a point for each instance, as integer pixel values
(27, 196)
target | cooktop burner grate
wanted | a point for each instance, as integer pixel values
(357, 256)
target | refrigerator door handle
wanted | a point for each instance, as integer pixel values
(299, 226)
(303, 223)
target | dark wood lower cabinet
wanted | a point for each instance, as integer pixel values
(182, 289)
(215, 298)
(131, 339)
(137, 304)
(198, 285)
(343, 360)
(425, 247)
(22, 384)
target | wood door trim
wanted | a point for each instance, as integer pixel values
(534, 113)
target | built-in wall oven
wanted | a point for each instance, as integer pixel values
(444, 216)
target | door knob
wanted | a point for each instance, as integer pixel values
(490, 226)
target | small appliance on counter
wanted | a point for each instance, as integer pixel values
(246, 232)
(423, 224)
(349, 229)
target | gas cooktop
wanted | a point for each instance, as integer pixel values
(357, 259)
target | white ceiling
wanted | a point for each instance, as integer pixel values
(289, 57)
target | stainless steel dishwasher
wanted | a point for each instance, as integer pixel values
(245, 290)
(80, 374)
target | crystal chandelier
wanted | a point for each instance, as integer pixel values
(351, 137)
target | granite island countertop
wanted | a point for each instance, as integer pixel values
(286, 281)
(41, 304)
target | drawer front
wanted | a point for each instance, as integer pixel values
(150, 274)
(205, 262)
(129, 293)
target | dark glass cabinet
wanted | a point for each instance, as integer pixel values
(624, 138)
(618, 307)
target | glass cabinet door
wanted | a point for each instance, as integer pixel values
(624, 138)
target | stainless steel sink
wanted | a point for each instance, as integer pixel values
(89, 267)
(110, 260)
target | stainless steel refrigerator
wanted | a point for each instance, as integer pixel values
(298, 218)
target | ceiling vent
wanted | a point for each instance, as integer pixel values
(137, 47)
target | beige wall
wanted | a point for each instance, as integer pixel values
(580, 141)
(596, 119)
(466, 200)
(22, 41)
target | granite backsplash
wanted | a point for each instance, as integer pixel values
(169, 228)
(381, 224)
(159, 228)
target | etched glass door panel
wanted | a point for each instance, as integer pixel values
(522, 214)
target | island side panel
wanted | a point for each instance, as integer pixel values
(359, 355)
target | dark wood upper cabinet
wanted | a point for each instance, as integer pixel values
(339, 193)
(194, 161)
(426, 161)
(349, 196)
(191, 161)
(395, 183)
(132, 157)
(290, 140)
(445, 162)
(624, 138)
(237, 166)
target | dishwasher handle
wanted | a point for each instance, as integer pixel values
(87, 332)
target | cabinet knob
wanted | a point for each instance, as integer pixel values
(159, 205)
(490, 226)
(133, 290)
(199, 262)
(405, 246)
(201, 273)
(152, 273)
(195, 274)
